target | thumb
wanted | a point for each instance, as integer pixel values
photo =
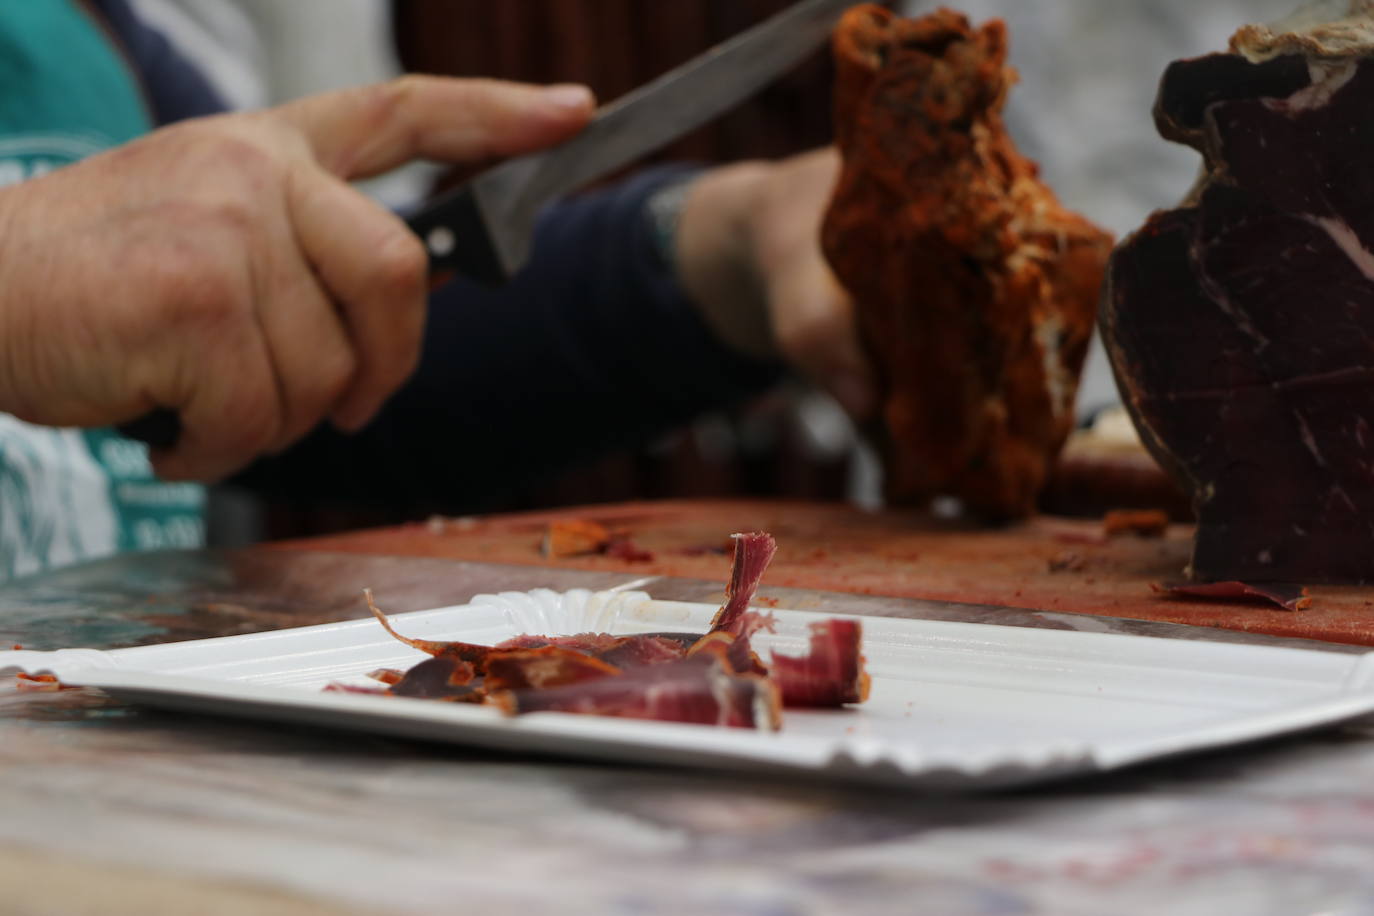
(355, 133)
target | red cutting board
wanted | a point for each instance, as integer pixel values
(1044, 564)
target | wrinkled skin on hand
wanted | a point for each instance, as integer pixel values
(223, 267)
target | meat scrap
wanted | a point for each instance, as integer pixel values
(975, 289)
(582, 537)
(1238, 322)
(39, 683)
(1065, 561)
(713, 679)
(1145, 523)
(573, 538)
(1288, 597)
(642, 648)
(831, 673)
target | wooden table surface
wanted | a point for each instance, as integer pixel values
(109, 808)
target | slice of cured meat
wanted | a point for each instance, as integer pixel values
(1240, 325)
(468, 652)
(699, 690)
(733, 651)
(440, 678)
(1289, 597)
(640, 649)
(753, 552)
(830, 674)
(975, 290)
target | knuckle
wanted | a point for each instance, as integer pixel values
(254, 421)
(234, 149)
(407, 85)
(386, 105)
(311, 388)
(333, 375)
(336, 374)
(400, 264)
(196, 293)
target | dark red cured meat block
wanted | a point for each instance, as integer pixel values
(974, 288)
(1241, 324)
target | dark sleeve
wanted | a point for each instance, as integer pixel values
(591, 348)
(175, 88)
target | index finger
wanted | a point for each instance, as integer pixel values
(355, 133)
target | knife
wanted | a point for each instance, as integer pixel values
(483, 229)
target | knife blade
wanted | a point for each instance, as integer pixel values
(483, 229)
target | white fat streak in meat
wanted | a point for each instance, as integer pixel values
(1308, 440)
(1058, 385)
(1318, 29)
(1327, 76)
(1347, 241)
(653, 693)
(719, 680)
(1223, 302)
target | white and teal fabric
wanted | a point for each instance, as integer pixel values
(68, 495)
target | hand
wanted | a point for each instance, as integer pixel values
(748, 249)
(223, 268)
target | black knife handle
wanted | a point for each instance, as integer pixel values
(456, 238)
(160, 428)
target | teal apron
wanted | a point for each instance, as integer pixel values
(68, 495)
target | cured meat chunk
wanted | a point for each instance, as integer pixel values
(830, 674)
(975, 289)
(1240, 325)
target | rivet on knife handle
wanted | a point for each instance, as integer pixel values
(456, 238)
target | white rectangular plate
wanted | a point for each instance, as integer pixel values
(953, 705)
